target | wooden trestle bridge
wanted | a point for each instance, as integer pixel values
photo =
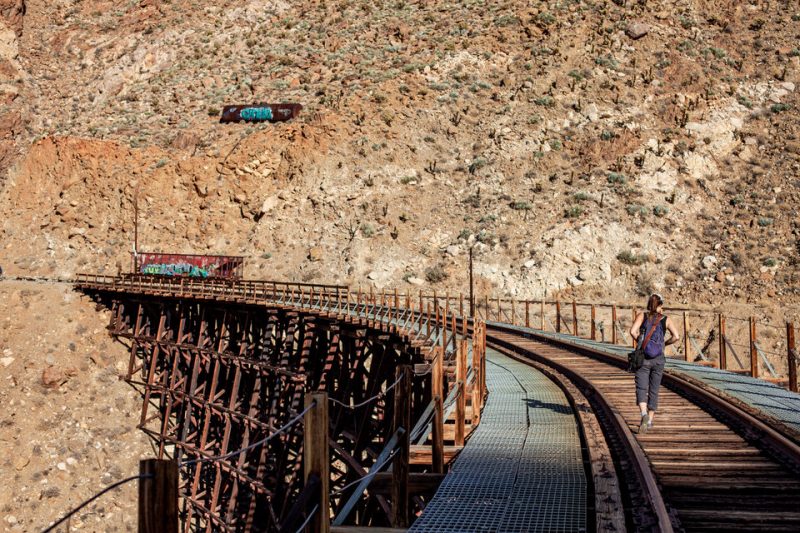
(295, 406)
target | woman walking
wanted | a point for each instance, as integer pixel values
(648, 330)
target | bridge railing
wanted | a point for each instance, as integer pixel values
(757, 345)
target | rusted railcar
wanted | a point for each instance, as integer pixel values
(188, 265)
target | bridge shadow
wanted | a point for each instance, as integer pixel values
(555, 407)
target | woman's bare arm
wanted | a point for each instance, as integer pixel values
(637, 323)
(673, 332)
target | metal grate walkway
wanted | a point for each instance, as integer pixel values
(775, 401)
(522, 468)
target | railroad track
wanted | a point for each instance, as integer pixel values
(707, 465)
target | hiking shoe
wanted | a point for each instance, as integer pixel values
(644, 425)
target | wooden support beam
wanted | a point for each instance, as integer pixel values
(594, 327)
(401, 512)
(316, 458)
(158, 496)
(437, 388)
(420, 454)
(418, 483)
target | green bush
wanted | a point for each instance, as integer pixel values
(546, 101)
(636, 209)
(367, 230)
(581, 196)
(573, 212)
(617, 179)
(779, 108)
(521, 205)
(770, 262)
(435, 274)
(660, 210)
(630, 258)
(765, 221)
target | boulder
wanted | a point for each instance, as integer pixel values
(709, 262)
(637, 30)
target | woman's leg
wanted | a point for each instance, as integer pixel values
(656, 373)
(642, 392)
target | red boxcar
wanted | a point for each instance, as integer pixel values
(190, 265)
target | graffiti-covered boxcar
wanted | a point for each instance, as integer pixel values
(190, 265)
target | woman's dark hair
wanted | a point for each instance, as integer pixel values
(653, 302)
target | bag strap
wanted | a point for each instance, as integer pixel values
(650, 333)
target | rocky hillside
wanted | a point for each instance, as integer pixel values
(593, 148)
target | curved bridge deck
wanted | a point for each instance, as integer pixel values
(522, 468)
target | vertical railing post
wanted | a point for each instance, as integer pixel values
(437, 433)
(513, 312)
(791, 350)
(723, 348)
(594, 327)
(558, 316)
(461, 304)
(686, 346)
(574, 318)
(158, 496)
(527, 313)
(499, 317)
(753, 349)
(461, 383)
(614, 324)
(316, 459)
(476, 374)
(541, 309)
(486, 307)
(400, 468)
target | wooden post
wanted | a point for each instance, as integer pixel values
(633, 319)
(574, 318)
(316, 458)
(614, 324)
(499, 315)
(723, 348)
(471, 287)
(400, 469)
(558, 316)
(461, 304)
(461, 383)
(476, 376)
(686, 346)
(437, 433)
(527, 313)
(791, 349)
(594, 328)
(753, 349)
(513, 312)
(542, 312)
(486, 303)
(158, 496)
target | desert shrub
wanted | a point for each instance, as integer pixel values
(435, 274)
(630, 258)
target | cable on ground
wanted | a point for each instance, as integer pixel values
(93, 498)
